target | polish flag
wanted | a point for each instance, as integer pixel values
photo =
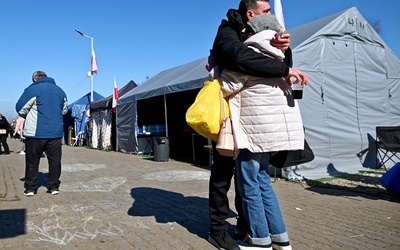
(279, 13)
(93, 63)
(115, 96)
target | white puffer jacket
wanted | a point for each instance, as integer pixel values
(265, 117)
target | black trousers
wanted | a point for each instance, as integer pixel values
(3, 140)
(34, 149)
(222, 171)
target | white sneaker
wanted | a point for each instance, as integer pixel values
(29, 193)
(22, 153)
(244, 245)
(294, 177)
(54, 191)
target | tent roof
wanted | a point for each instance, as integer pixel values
(106, 103)
(347, 25)
(184, 77)
(303, 32)
(84, 100)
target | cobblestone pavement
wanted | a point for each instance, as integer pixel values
(110, 200)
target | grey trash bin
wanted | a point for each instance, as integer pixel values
(161, 149)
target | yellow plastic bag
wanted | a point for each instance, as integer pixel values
(204, 115)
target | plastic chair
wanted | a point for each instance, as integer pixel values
(387, 144)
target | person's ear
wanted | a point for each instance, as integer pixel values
(249, 14)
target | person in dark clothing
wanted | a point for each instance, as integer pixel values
(222, 171)
(4, 131)
(41, 108)
(229, 52)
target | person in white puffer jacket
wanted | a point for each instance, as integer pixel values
(265, 119)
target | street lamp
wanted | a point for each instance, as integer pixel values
(90, 72)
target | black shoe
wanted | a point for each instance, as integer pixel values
(29, 193)
(223, 241)
(54, 191)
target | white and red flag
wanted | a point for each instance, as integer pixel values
(93, 64)
(115, 96)
(279, 13)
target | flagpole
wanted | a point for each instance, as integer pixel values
(90, 72)
(279, 13)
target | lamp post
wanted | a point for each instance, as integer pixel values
(90, 72)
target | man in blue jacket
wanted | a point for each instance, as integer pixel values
(41, 108)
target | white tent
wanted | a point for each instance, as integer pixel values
(354, 87)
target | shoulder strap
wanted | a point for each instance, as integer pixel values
(223, 116)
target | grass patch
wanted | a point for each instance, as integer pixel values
(348, 176)
(327, 179)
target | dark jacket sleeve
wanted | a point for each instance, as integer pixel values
(6, 124)
(231, 53)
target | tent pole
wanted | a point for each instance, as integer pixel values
(116, 132)
(165, 114)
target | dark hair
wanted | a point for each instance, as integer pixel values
(245, 5)
(38, 74)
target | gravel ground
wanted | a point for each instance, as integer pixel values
(365, 182)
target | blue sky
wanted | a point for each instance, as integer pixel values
(133, 39)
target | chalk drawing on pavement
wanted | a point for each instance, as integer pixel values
(62, 224)
(82, 167)
(102, 184)
(177, 175)
(140, 225)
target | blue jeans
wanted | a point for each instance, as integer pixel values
(260, 204)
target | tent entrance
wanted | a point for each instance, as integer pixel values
(151, 111)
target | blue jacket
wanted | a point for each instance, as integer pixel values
(43, 105)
